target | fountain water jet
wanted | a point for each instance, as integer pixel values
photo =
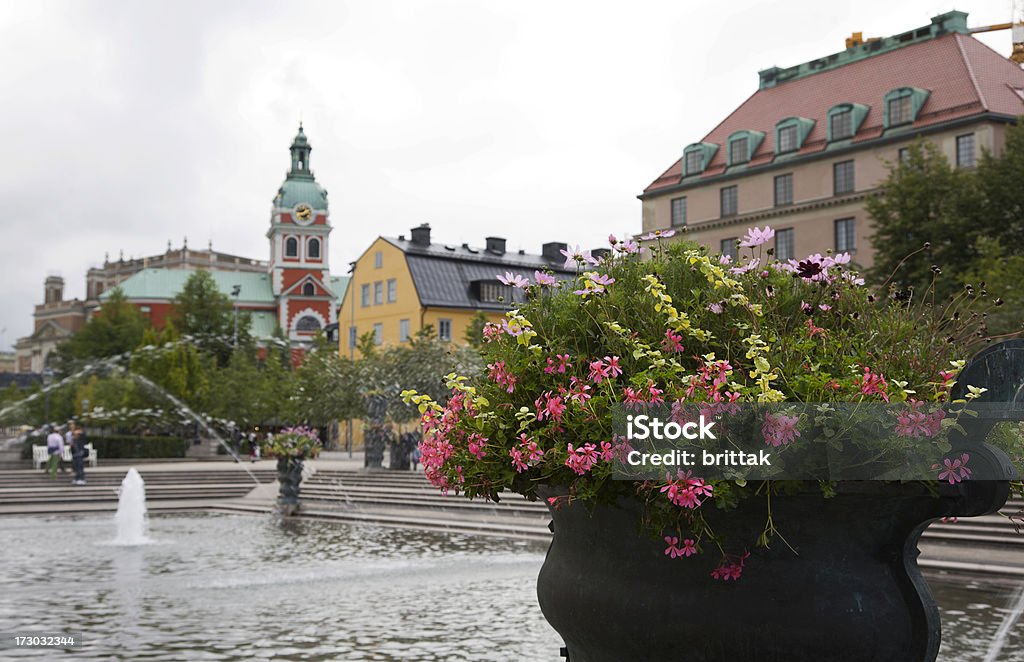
(131, 510)
(1004, 629)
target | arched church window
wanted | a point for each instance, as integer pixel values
(314, 248)
(291, 247)
(308, 290)
(308, 324)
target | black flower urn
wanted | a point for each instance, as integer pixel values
(843, 586)
(289, 476)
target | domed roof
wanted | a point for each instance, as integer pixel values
(300, 184)
(294, 191)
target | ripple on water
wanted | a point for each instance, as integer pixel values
(226, 587)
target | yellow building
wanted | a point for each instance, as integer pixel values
(401, 285)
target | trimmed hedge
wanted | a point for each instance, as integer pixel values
(124, 446)
(116, 447)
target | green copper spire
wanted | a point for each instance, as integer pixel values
(300, 185)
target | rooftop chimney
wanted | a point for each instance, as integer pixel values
(496, 245)
(552, 250)
(421, 235)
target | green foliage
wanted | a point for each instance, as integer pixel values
(475, 329)
(206, 314)
(250, 392)
(134, 446)
(172, 364)
(117, 328)
(971, 220)
(924, 201)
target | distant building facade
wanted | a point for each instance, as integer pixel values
(402, 285)
(293, 290)
(805, 151)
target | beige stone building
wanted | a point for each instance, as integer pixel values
(814, 141)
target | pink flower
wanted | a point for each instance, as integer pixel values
(544, 279)
(658, 234)
(672, 342)
(716, 308)
(582, 459)
(689, 547)
(517, 460)
(576, 258)
(954, 471)
(563, 363)
(749, 266)
(549, 406)
(814, 330)
(501, 376)
(514, 280)
(613, 366)
(872, 384)
(598, 371)
(579, 390)
(492, 331)
(806, 307)
(672, 549)
(756, 237)
(779, 429)
(725, 259)
(629, 247)
(476, 446)
(730, 569)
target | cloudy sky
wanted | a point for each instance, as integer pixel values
(128, 124)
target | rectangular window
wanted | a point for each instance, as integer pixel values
(729, 247)
(392, 290)
(846, 241)
(495, 292)
(903, 155)
(900, 110)
(787, 139)
(403, 330)
(842, 177)
(678, 211)
(364, 292)
(729, 201)
(842, 125)
(694, 162)
(444, 329)
(378, 293)
(378, 334)
(784, 190)
(739, 151)
(965, 153)
(784, 244)
(353, 336)
(378, 260)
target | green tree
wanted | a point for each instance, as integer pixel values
(997, 275)
(172, 364)
(474, 335)
(117, 328)
(206, 314)
(924, 203)
(1001, 184)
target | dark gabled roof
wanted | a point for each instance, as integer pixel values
(444, 275)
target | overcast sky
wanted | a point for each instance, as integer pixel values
(126, 124)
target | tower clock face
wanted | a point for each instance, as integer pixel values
(303, 214)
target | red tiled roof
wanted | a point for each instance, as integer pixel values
(965, 77)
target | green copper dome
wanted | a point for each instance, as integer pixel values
(300, 185)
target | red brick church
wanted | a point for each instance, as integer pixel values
(293, 290)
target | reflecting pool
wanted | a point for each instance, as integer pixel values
(233, 587)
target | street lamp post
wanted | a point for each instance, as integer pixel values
(47, 380)
(235, 291)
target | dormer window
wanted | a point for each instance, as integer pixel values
(791, 133)
(903, 104)
(742, 145)
(696, 158)
(694, 162)
(844, 120)
(842, 125)
(739, 150)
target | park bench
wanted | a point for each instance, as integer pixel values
(40, 457)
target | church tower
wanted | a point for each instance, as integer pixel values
(299, 231)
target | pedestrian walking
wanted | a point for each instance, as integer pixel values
(415, 457)
(54, 448)
(79, 453)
